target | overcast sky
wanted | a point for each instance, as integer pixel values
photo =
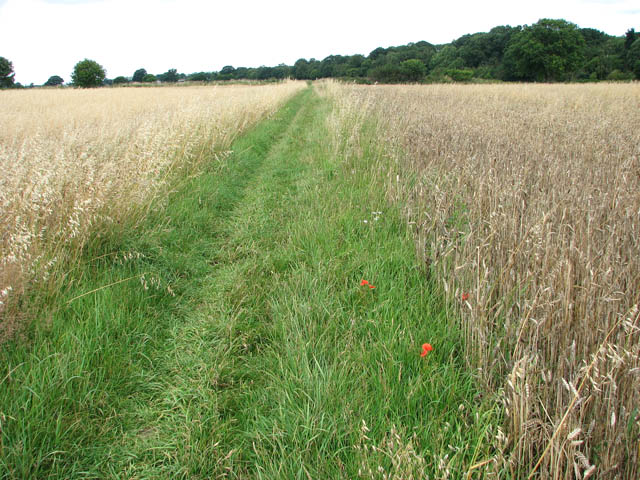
(48, 37)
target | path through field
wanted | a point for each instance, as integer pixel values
(272, 360)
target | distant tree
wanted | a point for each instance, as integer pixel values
(377, 53)
(447, 58)
(170, 76)
(149, 78)
(199, 77)
(244, 72)
(314, 69)
(54, 81)
(413, 70)
(88, 73)
(550, 50)
(227, 73)
(633, 58)
(139, 75)
(598, 68)
(619, 76)
(387, 73)
(300, 69)
(120, 80)
(458, 75)
(629, 37)
(281, 72)
(6, 73)
(264, 73)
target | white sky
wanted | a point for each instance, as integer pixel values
(48, 37)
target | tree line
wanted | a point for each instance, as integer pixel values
(547, 51)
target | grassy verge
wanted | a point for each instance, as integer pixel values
(249, 348)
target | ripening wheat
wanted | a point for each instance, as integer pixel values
(78, 161)
(525, 203)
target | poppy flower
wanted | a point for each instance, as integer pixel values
(465, 297)
(426, 348)
(365, 283)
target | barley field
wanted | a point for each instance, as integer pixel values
(80, 163)
(524, 201)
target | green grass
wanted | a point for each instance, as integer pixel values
(270, 358)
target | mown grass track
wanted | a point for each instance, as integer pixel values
(271, 361)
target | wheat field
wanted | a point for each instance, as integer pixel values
(78, 163)
(525, 205)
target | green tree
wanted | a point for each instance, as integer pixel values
(6, 73)
(301, 69)
(629, 37)
(87, 74)
(447, 58)
(138, 75)
(550, 50)
(199, 77)
(281, 71)
(54, 81)
(458, 75)
(149, 78)
(633, 58)
(387, 73)
(120, 80)
(413, 70)
(170, 76)
(227, 73)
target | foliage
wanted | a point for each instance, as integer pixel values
(550, 50)
(633, 58)
(138, 75)
(88, 73)
(387, 73)
(620, 76)
(120, 80)
(170, 76)
(413, 70)
(149, 78)
(458, 75)
(301, 69)
(54, 81)
(6, 73)
(199, 77)
(629, 37)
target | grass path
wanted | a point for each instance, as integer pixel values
(271, 360)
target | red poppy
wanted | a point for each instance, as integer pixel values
(365, 282)
(426, 348)
(465, 297)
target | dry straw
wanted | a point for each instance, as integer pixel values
(527, 198)
(80, 163)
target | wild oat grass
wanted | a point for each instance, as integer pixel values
(525, 202)
(78, 163)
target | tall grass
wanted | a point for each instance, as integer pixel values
(525, 205)
(78, 164)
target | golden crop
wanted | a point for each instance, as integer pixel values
(75, 161)
(525, 204)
